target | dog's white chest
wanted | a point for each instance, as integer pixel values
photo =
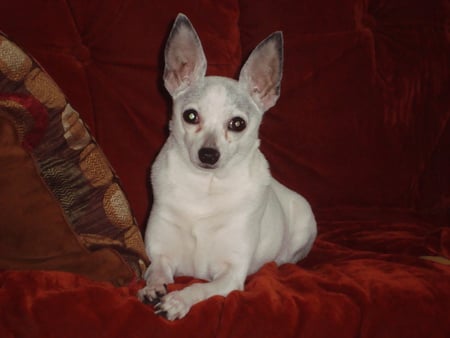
(198, 220)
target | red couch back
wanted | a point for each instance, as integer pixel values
(363, 116)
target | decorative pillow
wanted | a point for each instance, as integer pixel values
(40, 129)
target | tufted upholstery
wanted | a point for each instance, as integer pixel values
(356, 79)
(368, 81)
(361, 129)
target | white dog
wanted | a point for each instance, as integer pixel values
(218, 214)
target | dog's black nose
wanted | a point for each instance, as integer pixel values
(208, 155)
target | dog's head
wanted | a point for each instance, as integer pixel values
(215, 119)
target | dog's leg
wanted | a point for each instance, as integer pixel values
(176, 304)
(158, 275)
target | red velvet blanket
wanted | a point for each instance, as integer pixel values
(363, 278)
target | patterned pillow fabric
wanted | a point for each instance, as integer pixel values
(67, 158)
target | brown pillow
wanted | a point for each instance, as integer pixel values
(62, 205)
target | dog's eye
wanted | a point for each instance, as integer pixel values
(237, 124)
(191, 116)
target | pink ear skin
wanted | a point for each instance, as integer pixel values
(185, 61)
(261, 74)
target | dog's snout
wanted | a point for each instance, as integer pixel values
(208, 156)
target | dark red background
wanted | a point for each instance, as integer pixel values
(361, 129)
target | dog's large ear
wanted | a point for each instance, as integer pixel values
(261, 74)
(185, 60)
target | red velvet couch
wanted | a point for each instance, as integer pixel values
(361, 130)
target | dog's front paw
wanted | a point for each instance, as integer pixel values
(172, 306)
(152, 294)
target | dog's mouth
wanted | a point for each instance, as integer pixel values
(207, 166)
